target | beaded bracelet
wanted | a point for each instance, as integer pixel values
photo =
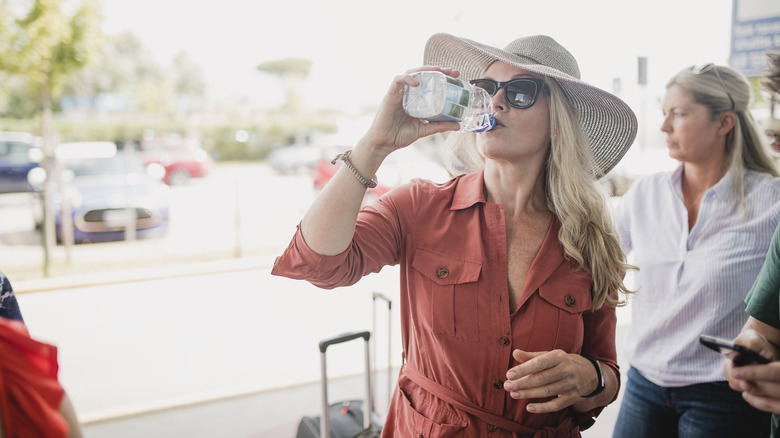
(370, 183)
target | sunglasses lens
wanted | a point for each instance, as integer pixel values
(487, 85)
(521, 93)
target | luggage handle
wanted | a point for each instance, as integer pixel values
(374, 296)
(369, 405)
(344, 337)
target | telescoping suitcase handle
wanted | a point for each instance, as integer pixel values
(374, 296)
(344, 337)
(368, 406)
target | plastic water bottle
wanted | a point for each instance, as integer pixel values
(441, 98)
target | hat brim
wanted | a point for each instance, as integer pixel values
(607, 121)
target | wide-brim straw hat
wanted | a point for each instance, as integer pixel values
(608, 122)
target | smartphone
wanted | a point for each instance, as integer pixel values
(742, 355)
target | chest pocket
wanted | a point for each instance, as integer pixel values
(564, 304)
(453, 293)
(574, 300)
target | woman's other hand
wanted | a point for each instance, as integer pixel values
(563, 376)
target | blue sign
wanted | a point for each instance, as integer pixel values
(755, 28)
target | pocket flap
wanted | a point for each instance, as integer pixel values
(573, 296)
(444, 269)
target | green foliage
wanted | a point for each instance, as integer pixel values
(51, 50)
(31, 125)
(45, 45)
(189, 79)
(236, 141)
(286, 67)
(292, 71)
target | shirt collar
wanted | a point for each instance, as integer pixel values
(724, 188)
(469, 191)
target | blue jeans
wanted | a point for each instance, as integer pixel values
(711, 410)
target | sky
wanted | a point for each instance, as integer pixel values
(358, 46)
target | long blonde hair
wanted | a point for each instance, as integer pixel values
(744, 143)
(587, 234)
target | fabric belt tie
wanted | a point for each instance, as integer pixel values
(462, 403)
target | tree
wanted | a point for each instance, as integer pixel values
(188, 76)
(115, 67)
(292, 71)
(124, 66)
(46, 45)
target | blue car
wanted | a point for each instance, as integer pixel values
(108, 190)
(20, 152)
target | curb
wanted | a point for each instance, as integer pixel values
(142, 274)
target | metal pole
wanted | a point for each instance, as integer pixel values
(66, 217)
(45, 212)
(373, 341)
(324, 416)
(389, 351)
(237, 253)
(131, 215)
(369, 393)
(376, 295)
(48, 228)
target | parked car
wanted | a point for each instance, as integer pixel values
(294, 159)
(181, 159)
(400, 167)
(105, 188)
(20, 152)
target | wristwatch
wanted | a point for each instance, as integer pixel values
(602, 383)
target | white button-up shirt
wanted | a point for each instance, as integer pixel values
(692, 282)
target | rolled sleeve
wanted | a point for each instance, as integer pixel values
(300, 262)
(599, 343)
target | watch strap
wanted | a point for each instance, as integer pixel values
(602, 382)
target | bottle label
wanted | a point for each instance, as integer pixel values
(456, 92)
(440, 98)
(456, 102)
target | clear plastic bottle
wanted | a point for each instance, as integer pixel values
(441, 98)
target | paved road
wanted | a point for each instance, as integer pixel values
(141, 345)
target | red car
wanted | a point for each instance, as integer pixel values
(399, 168)
(182, 160)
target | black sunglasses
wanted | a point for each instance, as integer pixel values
(519, 93)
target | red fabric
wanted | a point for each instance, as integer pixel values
(455, 321)
(30, 394)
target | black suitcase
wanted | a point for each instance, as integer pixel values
(347, 419)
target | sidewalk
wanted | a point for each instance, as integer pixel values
(268, 414)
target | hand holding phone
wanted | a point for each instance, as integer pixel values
(739, 354)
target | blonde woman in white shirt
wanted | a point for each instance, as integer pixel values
(699, 235)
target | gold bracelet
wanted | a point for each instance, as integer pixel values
(370, 183)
